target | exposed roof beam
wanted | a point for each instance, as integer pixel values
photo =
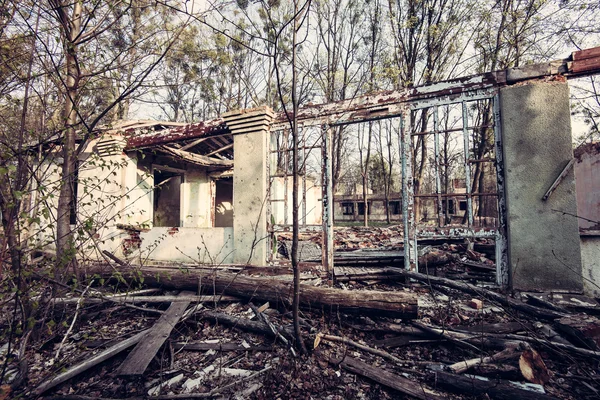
(194, 143)
(196, 158)
(212, 153)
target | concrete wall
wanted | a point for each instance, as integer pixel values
(189, 245)
(118, 189)
(544, 248)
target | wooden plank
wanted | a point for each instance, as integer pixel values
(138, 360)
(89, 363)
(388, 379)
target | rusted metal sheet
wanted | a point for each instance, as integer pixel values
(191, 131)
(589, 65)
(387, 104)
(455, 232)
(585, 54)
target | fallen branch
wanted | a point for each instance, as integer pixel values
(79, 301)
(472, 289)
(265, 320)
(507, 354)
(242, 323)
(377, 352)
(218, 347)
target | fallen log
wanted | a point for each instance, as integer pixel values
(494, 388)
(146, 299)
(396, 304)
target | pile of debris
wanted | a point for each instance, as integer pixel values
(372, 333)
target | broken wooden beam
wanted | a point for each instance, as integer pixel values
(138, 360)
(275, 291)
(386, 378)
(193, 158)
(494, 388)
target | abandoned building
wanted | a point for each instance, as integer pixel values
(217, 191)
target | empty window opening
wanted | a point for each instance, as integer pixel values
(394, 207)
(348, 208)
(462, 205)
(167, 198)
(448, 206)
(361, 208)
(224, 202)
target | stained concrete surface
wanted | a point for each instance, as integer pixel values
(250, 198)
(544, 247)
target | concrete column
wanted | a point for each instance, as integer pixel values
(543, 239)
(250, 129)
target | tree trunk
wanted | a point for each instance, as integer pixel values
(295, 206)
(71, 26)
(275, 291)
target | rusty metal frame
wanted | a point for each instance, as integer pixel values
(327, 202)
(392, 104)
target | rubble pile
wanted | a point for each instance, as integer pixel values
(228, 334)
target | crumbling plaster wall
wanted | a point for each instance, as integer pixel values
(544, 248)
(100, 199)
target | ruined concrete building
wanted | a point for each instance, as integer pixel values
(218, 191)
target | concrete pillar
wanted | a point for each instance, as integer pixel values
(250, 129)
(543, 239)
